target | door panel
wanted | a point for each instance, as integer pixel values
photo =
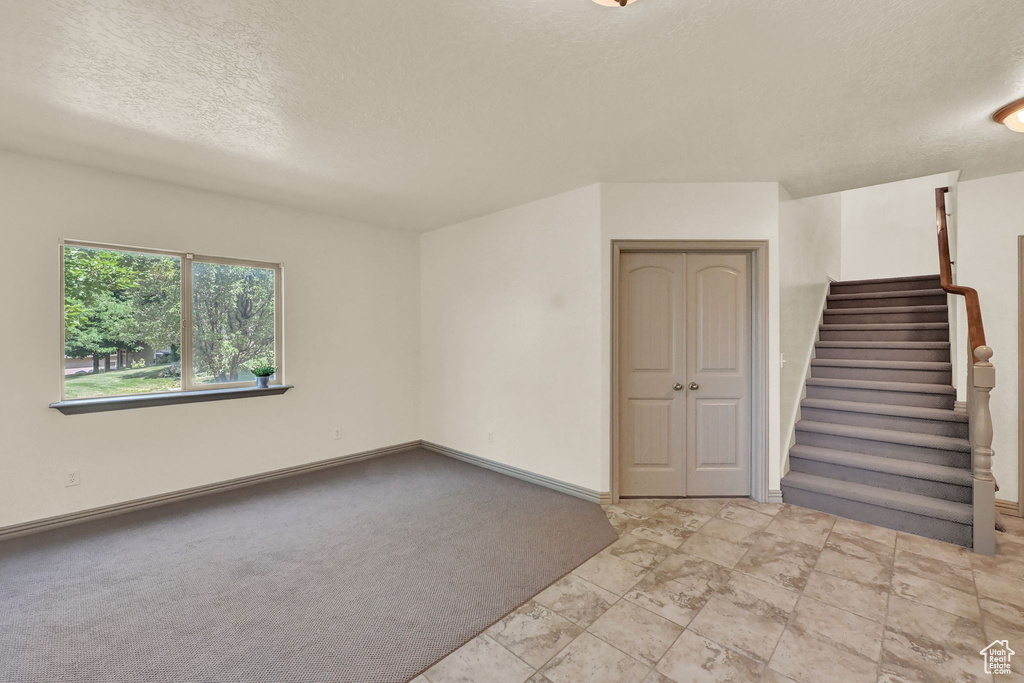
(651, 361)
(718, 328)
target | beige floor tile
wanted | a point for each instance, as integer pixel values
(685, 519)
(779, 560)
(693, 572)
(610, 573)
(675, 601)
(534, 633)
(643, 635)
(862, 600)
(701, 506)
(622, 519)
(764, 508)
(842, 629)
(926, 644)
(861, 548)
(947, 552)
(998, 587)
(809, 528)
(850, 527)
(695, 659)
(740, 628)
(642, 506)
(481, 660)
(745, 590)
(660, 530)
(539, 678)
(714, 550)
(730, 531)
(854, 569)
(657, 677)
(951, 575)
(745, 516)
(638, 551)
(1010, 546)
(1002, 618)
(934, 594)
(806, 659)
(772, 676)
(420, 679)
(577, 599)
(590, 659)
(1000, 565)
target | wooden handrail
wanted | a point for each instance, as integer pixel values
(975, 326)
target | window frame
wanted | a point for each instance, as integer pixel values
(188, 386)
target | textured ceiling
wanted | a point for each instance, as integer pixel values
(418, 114)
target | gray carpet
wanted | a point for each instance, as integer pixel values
(362, 573)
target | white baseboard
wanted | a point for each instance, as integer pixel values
(525, 475)
(775, 496)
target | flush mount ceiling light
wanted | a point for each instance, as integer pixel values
(614, 3)
(1011, 116)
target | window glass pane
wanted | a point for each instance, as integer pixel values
(122, 323)
(232, 321)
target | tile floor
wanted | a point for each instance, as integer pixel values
(733, 590)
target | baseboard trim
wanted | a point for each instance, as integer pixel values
(525, 475)
(775, 496)
(960, 406)
(70, 518)
(1008, 507)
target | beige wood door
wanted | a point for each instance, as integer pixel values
(684, 374)
(651, 362)
(718, 375)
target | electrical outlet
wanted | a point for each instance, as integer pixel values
(72, 478)
(490, 437)
(337, 432)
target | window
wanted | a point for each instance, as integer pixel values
(143, 321)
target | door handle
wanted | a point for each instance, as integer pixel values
(693, 386)
(677, 386)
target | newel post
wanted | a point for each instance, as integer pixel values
(981, 451)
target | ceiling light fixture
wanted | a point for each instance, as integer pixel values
(614, 3)
(1011, 116)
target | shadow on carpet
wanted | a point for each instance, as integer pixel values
(364, 573)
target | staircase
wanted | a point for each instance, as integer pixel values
(878, 439)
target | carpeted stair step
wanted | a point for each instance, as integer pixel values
(883, 370)
(940, 519)
(894, 393)
(886, 443)
(892, 284)
(887, 315)
(886, 416)
(920, 297)
(937, 481)
(933, 352)
(885, 332)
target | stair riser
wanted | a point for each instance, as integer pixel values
(931, 283)
(884, 374)
(892, 422)
(898, 398)
(835, 318)
(938, 300)
(894, 482)
(950, 532)
(885, 335)
(924, 355)
(884, 449)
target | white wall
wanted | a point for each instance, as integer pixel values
(990, 214)
(351, 329)
(516, 318)
(693, 211)
(511, 337)
(889, 230)
(809, 254)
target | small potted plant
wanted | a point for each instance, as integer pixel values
(263, 371)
